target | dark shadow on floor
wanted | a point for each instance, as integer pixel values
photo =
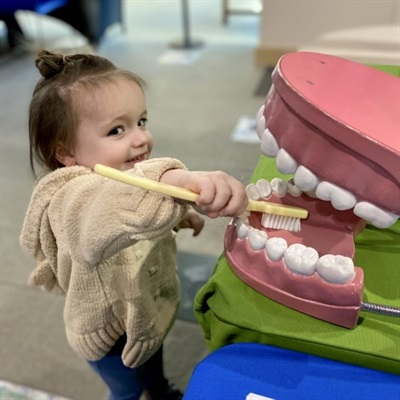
(264, 84)
(194, 271)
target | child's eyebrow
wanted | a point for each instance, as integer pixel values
(122, 117)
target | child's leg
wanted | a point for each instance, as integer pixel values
(124, 383)
(156, 383)
(153, 371)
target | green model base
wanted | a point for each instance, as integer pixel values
(229, 311)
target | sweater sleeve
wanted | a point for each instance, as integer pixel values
(95, 217)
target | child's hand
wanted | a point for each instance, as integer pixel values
(220, 195)
(192, 220)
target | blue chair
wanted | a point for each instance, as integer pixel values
(92, 23)
(40, 6)
(9, 8)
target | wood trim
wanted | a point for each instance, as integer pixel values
(269, 56)
(226, 11)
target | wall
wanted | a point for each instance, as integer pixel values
(290, 25)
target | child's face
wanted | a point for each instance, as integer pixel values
(112, 127)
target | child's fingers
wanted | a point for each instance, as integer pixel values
(214, 192)
(226, 197)
(235, 206)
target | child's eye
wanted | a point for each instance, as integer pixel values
(115, 131)
(142, 122)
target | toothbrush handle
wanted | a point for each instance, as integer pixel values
(184, 194)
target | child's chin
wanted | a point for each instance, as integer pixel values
(128, 165)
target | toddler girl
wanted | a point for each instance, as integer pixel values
(107, 246)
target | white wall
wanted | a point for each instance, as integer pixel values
(288, 25)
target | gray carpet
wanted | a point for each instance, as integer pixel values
(193, 110)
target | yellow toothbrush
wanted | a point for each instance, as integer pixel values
(184, 194)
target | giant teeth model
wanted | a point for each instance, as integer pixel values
(337, 134)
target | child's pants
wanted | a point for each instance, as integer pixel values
(129, 383)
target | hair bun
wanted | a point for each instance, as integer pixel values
(49, 63)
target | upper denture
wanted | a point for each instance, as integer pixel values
(340, 140)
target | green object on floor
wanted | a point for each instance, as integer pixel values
(229, 311)
(390, 69)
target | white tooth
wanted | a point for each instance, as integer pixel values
(264, 188)
(257, 239)
(242, 230)
(341, 199)
(335, 269)
(301, 259)
(279, 187)
(305, 179)
(252, 192)
(269, 146)
(294, 190)
(260, 122)
(285, 162)
(378, 217)
(275, 248)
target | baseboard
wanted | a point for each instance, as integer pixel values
(269, 56)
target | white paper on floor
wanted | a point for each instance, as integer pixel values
(245, 131)
(179, 57)
(10, 390)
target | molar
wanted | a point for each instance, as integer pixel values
(257, 239)
(260, 122)
(305, 179)
(335, 269)
(264, 188)
(285, 163)
(301, 259)
(294, 190)
(269, 145)
(279, 187)
(275, 248)
(378, 217)
(340, 198)
(242, 230)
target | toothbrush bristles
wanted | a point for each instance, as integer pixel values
(281, 222)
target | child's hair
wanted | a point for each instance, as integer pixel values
(52, 116)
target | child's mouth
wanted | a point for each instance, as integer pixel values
(136, 160)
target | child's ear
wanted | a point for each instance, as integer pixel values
(64, 156)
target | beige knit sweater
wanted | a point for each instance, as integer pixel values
(110, 248)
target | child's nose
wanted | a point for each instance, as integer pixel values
(139, 138)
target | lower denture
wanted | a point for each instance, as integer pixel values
(338, 304)
(326, 230)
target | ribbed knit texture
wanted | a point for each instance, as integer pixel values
(110, 248)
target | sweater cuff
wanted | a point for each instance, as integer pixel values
(156, 167)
